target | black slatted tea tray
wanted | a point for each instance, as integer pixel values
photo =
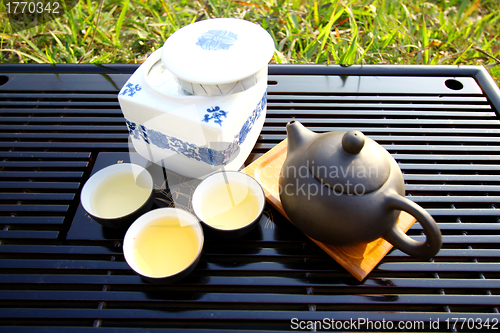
(58, 123)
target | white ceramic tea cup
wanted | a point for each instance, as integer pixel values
(176, 238)
(118, 194)
(229, 203)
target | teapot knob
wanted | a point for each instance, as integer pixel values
(353, 142)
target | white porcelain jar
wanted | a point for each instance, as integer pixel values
(198, 104)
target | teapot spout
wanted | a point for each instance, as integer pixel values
(298, 136)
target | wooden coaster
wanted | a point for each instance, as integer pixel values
(358, 260)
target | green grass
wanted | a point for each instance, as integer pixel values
(310, 32)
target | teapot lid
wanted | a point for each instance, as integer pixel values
(217, 51)
(349, 162)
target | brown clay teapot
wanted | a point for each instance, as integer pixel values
(343, 188)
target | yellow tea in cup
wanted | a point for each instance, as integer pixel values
(164, 244)
(229, 206)
(165, 247)
(229, 201)
(119, 194)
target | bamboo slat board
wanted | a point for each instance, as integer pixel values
(358, 260)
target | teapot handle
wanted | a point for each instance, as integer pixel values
(399, 239)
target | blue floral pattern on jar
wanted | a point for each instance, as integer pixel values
(215, 113)
(214, 40)
(204, 154)
(130, 89)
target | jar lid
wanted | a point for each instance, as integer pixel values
(217, 51)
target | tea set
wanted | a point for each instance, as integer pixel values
(196, 107)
